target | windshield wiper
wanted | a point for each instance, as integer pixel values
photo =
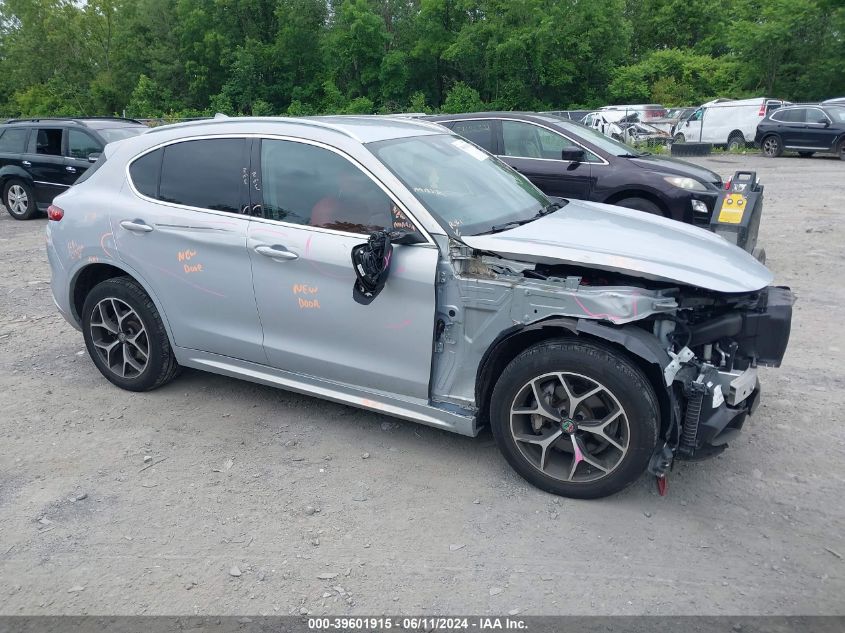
(549, 208)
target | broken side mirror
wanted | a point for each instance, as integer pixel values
(573, 154)
(371, 262)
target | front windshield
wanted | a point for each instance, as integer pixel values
(112, 134)
(609, 145)
(837, 114)
(460, 185)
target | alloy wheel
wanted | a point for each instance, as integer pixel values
(120, 338)
(17, 200)
(570, 427)
(771, 146)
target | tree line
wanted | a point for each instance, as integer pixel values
(191, 58)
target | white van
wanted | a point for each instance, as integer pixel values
(725, 122)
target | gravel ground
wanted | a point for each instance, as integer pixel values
(258, 501)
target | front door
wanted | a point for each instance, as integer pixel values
(316, 206)
(819, 131)
(535, 152)
(80, 146)
(185, 229)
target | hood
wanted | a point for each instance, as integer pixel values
(676, 167)
(631, 242)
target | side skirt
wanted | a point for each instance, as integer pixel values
(412, 409)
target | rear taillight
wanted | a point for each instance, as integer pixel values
(55, 213)
(728, 185)
(762, 111)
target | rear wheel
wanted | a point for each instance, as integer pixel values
(640, 204)
(19, 200)
(842, 150)
(125, 336)
(574, 418)
(736, 142)
(771, 147)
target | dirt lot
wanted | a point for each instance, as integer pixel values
(260, 501)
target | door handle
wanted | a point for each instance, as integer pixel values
(276, 252)
(26, 163)
(136, 226)
(71, 169)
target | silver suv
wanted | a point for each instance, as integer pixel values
(390, 265)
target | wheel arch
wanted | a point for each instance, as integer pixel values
(736, 132)
(90, 275)
(633, 343)
(13, 171)
(639, 193)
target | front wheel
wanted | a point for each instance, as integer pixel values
(19, 200)
(639, 204)
(679, 138)
(771, 147)
(575, 419)
(125, 336)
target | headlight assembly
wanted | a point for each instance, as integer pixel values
(682, 182)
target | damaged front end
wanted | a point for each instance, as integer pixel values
(703, 347)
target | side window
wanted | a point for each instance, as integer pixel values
(145, 172)
(46, 141)
(13, 140)
(814, 115)
(521, 140)
(552, 144)
(304, 184)
(204, 174)
(479, 132)
(81, 145)
(794, 115)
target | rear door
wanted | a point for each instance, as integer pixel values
(535, 151)
(182, 224)
(793, 124)
(44, 159)
(81, 145)
(317, 204)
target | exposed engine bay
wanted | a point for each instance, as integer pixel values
(703, 347)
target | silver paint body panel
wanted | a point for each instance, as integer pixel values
(232, 311)
(623, 240)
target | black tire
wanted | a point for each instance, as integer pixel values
(640, 204)
(736, 141)
(599, 364)
(30, 208)
(691, 149)
(771, 146)
(161, 365)
(679, 138)
(806, 154)
(842, 150)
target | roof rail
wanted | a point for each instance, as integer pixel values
(308, 121)
(72, 119)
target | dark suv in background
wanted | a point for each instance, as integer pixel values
(802, 128)
(41, 158)
(569, 160)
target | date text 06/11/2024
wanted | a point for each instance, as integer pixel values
(383, 623)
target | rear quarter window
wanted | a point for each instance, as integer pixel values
(145, 172)
(13, 140)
